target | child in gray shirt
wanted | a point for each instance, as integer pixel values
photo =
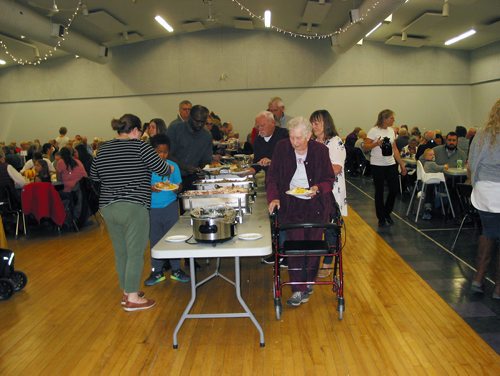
(430, 166)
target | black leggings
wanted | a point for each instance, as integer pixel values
(382, 174)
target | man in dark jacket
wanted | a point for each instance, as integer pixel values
(269, 135)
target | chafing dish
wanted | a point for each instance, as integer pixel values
(204, 184)
(239, 198)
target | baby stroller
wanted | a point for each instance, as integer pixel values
(10, 280)
(308, 248)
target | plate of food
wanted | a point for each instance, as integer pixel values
(299, 192)
(166, 186)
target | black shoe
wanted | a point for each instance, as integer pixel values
(284, 262)
(389, 220)
(269, 260)
(382, 223)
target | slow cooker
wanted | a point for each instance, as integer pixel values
(213, 224)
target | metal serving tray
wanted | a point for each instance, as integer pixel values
(209, 184)
(241, 201)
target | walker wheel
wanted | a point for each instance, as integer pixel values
(6, 288)
(20, 280)
(341, 312)
(341, 308)
(277, 308)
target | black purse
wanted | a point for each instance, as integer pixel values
(386, 147)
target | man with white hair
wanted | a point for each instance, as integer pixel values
(265, 142)
(183, 114)
(277, 108)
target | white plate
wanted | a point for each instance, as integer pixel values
(305, 194)
(250, 236)
(176, 238)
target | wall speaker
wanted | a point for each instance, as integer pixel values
(354, 15)
(57, 30)
(103, 51)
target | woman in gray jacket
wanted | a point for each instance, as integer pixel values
(484, 165)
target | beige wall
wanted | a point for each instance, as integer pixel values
(428, 87)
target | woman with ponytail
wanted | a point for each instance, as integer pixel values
(123, 168)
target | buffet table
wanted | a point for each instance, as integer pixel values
(255, 223)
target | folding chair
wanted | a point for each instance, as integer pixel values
(10, 205)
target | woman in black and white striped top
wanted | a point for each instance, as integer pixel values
(123, 167)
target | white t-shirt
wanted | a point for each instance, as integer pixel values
(299, 179)
(30, 164)
(376, 157)
(485, 196)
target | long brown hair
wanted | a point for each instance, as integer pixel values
(328, 124)
(384, 114)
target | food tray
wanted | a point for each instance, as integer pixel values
(235, 200)
(208, 184)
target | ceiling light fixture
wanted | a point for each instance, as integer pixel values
(460, 37)
(164, 23)
(2, 62)
(372, 30)
(388, 19)
(23, 37)
(267, 18)
(360, 42)
(377, 4)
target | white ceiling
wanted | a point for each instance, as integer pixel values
(116, 22)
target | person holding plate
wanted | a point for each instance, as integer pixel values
(164, 212)
(302, 163)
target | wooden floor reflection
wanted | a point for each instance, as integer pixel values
(68, 320)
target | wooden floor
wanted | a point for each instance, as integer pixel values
(68, 320)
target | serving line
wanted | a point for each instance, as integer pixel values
(257, 222)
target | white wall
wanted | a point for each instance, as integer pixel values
(428, 87)
(485, 80)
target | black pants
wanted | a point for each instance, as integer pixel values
(382, 174)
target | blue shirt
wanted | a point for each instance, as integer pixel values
(164, 198)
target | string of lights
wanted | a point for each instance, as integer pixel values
(40, 59)
(301, 35)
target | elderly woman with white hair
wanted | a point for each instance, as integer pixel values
(299, 162)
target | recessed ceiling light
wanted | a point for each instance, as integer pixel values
(2, 62)
(267, 18)
(460, 37)
(164, 23)
(23, 37)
